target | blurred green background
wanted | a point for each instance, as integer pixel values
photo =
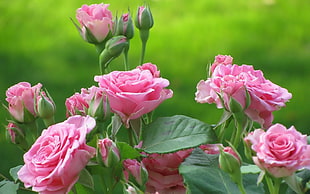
(39, 43)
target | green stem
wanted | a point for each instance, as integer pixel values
(126, 49)
(133, 138)
(273, 184)
(241, 188)
(48, 122)
(144, 35)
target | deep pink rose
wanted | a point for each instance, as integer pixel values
(134, 93)
(279, 151)
(53, 163)
(232, 81)
(96, 18)
(221, 59)
(21, 96)
(164, 176)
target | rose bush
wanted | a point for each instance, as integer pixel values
(279, 151)
(233, 81)
(53, 163)
(134, 93)
(97, 19)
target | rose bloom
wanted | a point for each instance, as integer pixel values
(21, 96)
(53, 163)
(96, 18)
(134, 93)
(76, 105)
(164, 177)
(221, 59)
(279, 151)
(232, 81)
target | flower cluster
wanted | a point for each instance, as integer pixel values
(110, 143)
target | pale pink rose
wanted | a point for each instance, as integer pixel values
(221, 59)
(96, 18)
(232, 81)
(21, 96)
(109, 152)
(279, 151)
(53, 163)
(164, 176)
(134, 93)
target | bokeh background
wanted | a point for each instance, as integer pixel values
(39, 43)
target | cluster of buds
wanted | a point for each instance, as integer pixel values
(111, 36)
(26, 103)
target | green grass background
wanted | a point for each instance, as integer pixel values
(39, 43)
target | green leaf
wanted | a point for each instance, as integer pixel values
(13, 172)
(86, 179)
(250, 169)
(170, 134)
(202, 175)
(126, 151)
(8, 187)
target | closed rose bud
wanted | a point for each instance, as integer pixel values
(128, 189)
(113, 48)
(125, 26)
(98, 106)
(109, 152)
(45, 106)
(230, 163)
(144, 19)
(135, 169)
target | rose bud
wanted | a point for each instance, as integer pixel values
(45, 106)
(144, 19)
(135, 169)
(109, 152)
(230, 163)
(125, 26)
(113, 48)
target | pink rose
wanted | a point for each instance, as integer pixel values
(53, 163)
(96, 18)
(76, 105)
(134, 93)
(91, 101)
(20, 98)
(232, 81)
(221, 59)
(279, 151)
(164, 176)
(152, 68)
